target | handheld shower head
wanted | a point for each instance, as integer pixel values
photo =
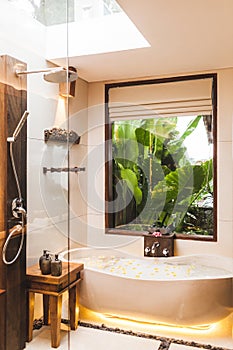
(18, 127)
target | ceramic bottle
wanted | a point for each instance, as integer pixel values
(43, 256)
(56, 266)
(46, 265)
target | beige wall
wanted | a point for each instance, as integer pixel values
(96, 235)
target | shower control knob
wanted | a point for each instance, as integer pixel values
(165, 252)
(147, 250)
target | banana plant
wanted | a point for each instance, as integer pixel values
(150, 158)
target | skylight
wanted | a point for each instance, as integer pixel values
(94, 26)
(50, 12)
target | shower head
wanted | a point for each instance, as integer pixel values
(18, 127)
(53, 75)
(61, 75)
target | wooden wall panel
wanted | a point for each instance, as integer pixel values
(2, 320)
(3, 154)
(13, 103)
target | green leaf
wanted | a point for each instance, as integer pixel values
(144, 136)
(131, 179)
(137, 194)
(189, 130)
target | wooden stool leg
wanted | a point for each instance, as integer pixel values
(46, 309)
(31, 303)
(55, 316)
(74, 306)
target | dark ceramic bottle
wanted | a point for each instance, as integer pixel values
(46, 265)
(56, 266)
(42, 257)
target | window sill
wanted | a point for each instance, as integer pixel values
(145, 233)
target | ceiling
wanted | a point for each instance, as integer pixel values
(186, 36)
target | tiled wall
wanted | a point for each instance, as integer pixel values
(57, 201)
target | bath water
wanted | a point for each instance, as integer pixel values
(151, 269)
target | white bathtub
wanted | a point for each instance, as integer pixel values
(174, 296)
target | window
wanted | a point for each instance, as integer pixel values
(161, 157)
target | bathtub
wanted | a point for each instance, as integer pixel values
(183, 291)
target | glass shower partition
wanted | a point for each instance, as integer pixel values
(25, 29)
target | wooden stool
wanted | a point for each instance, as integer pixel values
(52, 289)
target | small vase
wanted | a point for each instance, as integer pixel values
(56, 266)
(46, 265)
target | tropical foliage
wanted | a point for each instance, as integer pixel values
(155, 182)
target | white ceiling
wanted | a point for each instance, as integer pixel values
(185, 36)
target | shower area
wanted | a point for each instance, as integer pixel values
(43, 105)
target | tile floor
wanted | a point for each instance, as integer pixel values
(91, 339)
(86, 338)
(182, 347)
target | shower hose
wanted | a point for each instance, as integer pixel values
(19, 227)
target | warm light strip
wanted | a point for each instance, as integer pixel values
(113, 320)
(164, 326)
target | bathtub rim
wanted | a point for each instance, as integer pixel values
(227, 260)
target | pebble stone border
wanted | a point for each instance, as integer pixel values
(165, 342)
